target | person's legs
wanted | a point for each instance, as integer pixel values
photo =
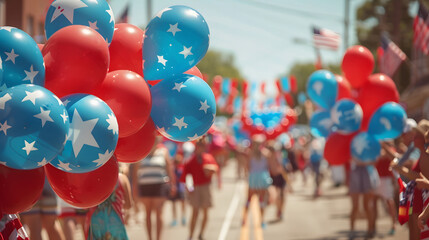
(250, 193)
(203, 223)
(147, 202)
(392, 211)
(53, 230)
(368, 207)
(158, 204)
(262, 196)
(34, 225)
(174, 211)
(68, 226)
(193, 221)
(183, 205)
(355, 208)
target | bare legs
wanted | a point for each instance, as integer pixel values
(153, 204)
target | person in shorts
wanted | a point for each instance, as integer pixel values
(43, 215)
(201, 167)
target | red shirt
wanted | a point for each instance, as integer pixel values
(382, 166)
(195, 168)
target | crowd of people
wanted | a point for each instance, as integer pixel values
(183, 172)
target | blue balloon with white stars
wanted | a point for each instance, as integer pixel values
(21, 61)
(321, 124)
(33, 126)
(96, 14)
(93, 134)
(347, 116)
(365, 147)
(322, 88)
(176, 39)
(388, 121)
(183, 107)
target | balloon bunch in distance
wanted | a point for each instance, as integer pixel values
(355, 111)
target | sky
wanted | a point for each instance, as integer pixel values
(260, 34)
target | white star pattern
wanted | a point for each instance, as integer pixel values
(180, 123)
(335, 116)
(66, 8)
(113, 123)
(3, 163)
(9, 29)
(318, 86)
(159, 14)
(65, 166)
(31, 96)
(163, 132)
(162, 60)
(360, 143)
(30, 75)
(64, 116)
(174, 29)
(42, 163)
(11, 56)
(93, 25)
(192, 13)
(4, 127)
(193, 137)
(386, 123)
(186, 52)
(95, 1)
(1, 63)
(178, 86)
(110, 12)
(103, 158)
(204, 106)
(29, 147)
(66, 102)
(326, 123)
(4, 99)
(44, 116)
(82, 133)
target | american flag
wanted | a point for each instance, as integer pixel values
(11, 228)
(390, 56)
(324, 38)
(421, 30)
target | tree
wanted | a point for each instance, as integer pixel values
(218, 63)
(377, 16)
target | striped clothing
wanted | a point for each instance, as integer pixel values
(152, 169)
(11, 228)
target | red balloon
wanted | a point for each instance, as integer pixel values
(137, 146)
(40, 46)
(128, 95)
(193, 71)
(76, 59)
(378, 90)
(126, 49)
(344, 88)
(19, 189)
(337, 148)
(357, 65)
(84, 190)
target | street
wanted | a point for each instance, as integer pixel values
(305, 218)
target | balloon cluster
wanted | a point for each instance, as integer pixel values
(74, 107)
(356, 110)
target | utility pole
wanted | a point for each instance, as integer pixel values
(346, 24)
(149, 10)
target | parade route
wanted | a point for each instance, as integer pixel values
(305, 218)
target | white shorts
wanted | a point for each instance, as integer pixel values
(386, 189)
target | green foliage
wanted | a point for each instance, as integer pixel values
(377, 16)
(218, 63)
